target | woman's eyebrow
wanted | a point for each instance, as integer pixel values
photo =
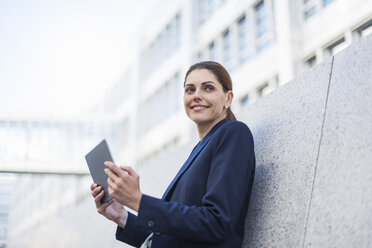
(203, 83)
(206, 82)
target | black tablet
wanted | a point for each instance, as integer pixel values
(95, 160)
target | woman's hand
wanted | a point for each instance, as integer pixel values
(123, 185)
(112, 209)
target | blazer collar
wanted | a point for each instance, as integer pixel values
(195, 152)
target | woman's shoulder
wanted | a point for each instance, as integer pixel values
(232, 133)
(236, 127)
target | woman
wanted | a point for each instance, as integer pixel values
(206, 203)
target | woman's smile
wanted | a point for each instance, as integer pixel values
(199, 107)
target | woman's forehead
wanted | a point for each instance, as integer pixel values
(200, 76)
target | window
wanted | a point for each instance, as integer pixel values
(177, 31)
(3, 234)
(262, 26)
(164, 45)
(166, 98)
(264, 89)
(206, 8)
(309, 12)
(212, 51)
(309, 8)
(336, 47)
(311, 61)
(212, 6)
(244, 40)
(227, 53)
(176, 93)
(244, 100)
(202, 11)
(326, 2)
(364, 29)
(199, 56)
(261, 19)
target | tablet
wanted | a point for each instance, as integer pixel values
(95, 160)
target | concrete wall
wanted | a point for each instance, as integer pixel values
(313, 184)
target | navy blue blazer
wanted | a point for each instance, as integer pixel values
(206, 203)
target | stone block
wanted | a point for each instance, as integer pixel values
(341, 207)
(286, 128)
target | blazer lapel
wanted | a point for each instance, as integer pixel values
(185, 166)
(191, 158)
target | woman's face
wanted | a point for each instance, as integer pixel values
(204, 99)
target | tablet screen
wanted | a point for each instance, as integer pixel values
(95, 160)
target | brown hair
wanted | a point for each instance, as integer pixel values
(222, 76)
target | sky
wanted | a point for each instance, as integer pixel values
(59, 57)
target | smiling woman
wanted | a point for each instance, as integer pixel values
(206, 203)
(208, 95)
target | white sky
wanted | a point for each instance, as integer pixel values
(57, 57)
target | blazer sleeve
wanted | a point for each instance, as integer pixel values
(131, 233)
(227, 190)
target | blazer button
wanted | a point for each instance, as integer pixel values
(150, 223)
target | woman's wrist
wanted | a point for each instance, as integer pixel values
(122, 218)
(137, 202)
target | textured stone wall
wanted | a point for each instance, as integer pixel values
(313, 137)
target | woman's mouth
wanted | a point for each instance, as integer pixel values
(199, 107)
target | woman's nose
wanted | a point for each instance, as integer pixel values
(197, 95)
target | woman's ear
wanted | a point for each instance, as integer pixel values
(230, 96)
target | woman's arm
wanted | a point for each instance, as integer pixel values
(127, 231)
(132, 234)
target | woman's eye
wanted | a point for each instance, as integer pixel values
(188, 90)
(209, 87)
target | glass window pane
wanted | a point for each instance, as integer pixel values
(311, 62)
(227, 49)
(309, 12)
(326, 2)
(212, 51)
(244, 39)
(263, 39)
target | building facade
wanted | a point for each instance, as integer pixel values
(262, 43)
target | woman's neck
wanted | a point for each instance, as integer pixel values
(204, 128)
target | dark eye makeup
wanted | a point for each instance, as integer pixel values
(189, 89)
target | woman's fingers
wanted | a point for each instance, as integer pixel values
(111, 174)
(98, 194)
(102, 208)
(114, 169)
(96, 191)
(93, 186)
(129, 170)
